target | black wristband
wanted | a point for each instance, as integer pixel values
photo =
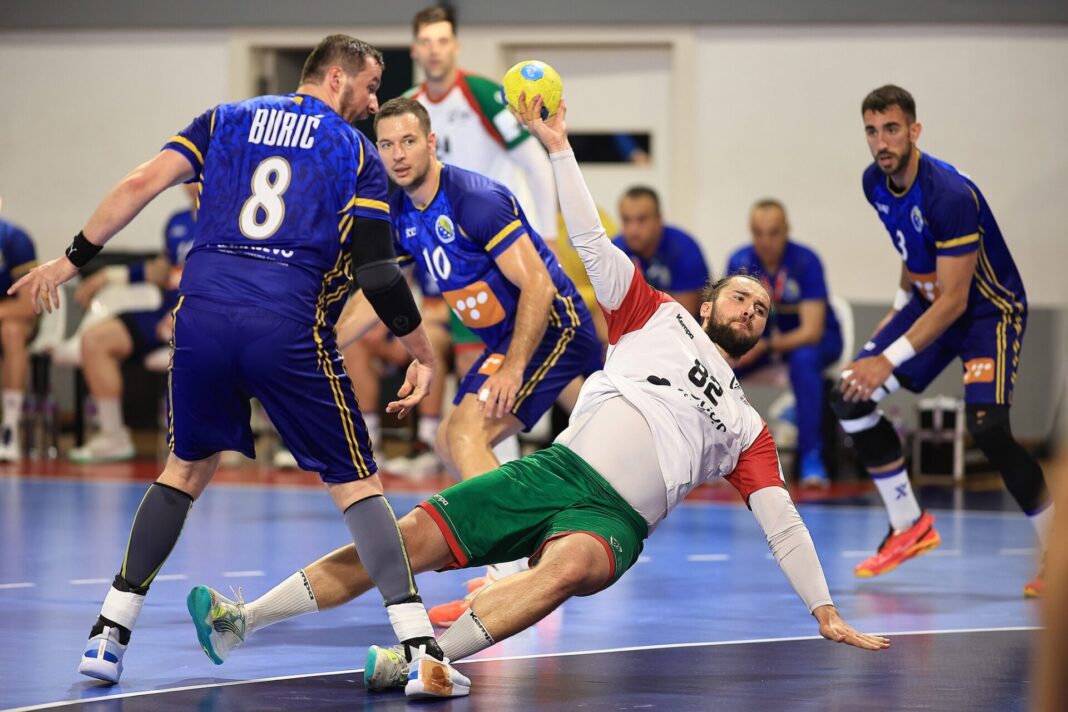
(81, 250)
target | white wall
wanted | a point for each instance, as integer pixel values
(780, 115)
(755, 112)
(81, 109)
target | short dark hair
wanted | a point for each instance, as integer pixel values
(344, 51)
(403, 105)
(643, 191)
(881, 99)
(433, 14)
(713, 288)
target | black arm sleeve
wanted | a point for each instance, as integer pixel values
(375, 271)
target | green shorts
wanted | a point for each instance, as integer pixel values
(515, 510)
(461, 335)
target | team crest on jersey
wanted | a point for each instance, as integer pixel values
(444, 229)
(917, 218)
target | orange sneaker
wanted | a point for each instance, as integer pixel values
(446, 614)
(899, 547)
(1036, 586)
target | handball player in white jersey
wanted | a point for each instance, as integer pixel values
(664, 416)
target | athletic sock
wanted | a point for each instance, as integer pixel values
(427, 431)
(901, 504)
(293, 597)
(465, 637)
(12, 408)
(109, 410)
(499, 571)
(1042, 520)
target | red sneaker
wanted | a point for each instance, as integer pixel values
(446, 614)
(1036, 587)
(899, 547)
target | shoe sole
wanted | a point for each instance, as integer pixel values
(106, 672)
(439, 684)
(916, 551)
(199, 604)
(1031, 592)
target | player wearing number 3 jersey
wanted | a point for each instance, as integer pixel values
(292, 205)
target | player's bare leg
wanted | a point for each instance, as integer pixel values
(155, 530)
(104, 346)
(14, 336)
(466, 438)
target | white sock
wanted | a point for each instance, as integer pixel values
(1043, 522)
(293, 597)
(465, 637)
(12, 408)
(109, 410)
(373, 421)
(499, 571)
(901, 504)
(507, 450)
(428, 429)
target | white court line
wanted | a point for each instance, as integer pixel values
(171, 577)
(242, 574)
(943, 552)
(708, 557)
(89, 581)
(644, 559)
(534, 656)
(1016, 552)
(855, 554)
(7, 586)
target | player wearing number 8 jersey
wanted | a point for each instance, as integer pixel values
(292, 205)
(960, 296)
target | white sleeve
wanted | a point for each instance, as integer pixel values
(610, 271)
(531, 158)
(791, 545)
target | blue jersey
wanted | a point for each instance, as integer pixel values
(798, 278)
(458, 236)
(17, 255)
(282, 180)
(178, 239)
(676, 266)
(944, 214)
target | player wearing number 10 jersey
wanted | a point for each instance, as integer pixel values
(292, 201)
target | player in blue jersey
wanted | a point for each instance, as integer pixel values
(804, 332)
(960, 297)
(292, 207)
(668, 257)
(17, 324)
(107, 344)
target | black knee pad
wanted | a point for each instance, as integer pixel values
(990, 428)
(878, 444)
(850, 410)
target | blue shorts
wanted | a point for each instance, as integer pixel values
(225, 354)
(567, 350)
(988, 346)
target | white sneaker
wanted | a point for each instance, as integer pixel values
(283, 459)
(220, 622)
(425, 464)
(102, 658)
(9, 445)
(104, 447)
(430, 677)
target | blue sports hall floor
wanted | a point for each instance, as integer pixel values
(704, 621)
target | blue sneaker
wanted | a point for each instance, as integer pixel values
(102, 658)
(813, 474)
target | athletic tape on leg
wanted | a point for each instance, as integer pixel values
(122, 607)
(410, 621)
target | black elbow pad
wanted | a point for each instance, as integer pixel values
(375, 270)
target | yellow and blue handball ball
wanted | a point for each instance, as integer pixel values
(534, 78)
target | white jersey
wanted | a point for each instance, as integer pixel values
(474, 128)
(661, 361)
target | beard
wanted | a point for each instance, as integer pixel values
(899, 165)
(735, 343)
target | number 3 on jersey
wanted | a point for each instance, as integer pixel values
(262, 213)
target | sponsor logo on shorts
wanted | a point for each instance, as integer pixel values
(979, 370)
(492, 364)
(614, 543)
(441, 499)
